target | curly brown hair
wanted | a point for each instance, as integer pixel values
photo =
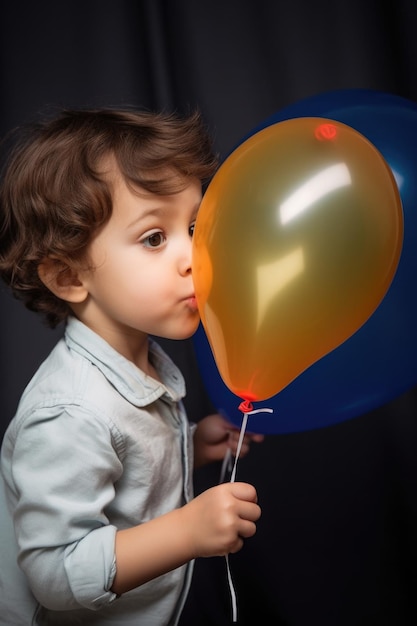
(54, 195)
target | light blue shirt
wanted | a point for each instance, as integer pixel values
(95, 446)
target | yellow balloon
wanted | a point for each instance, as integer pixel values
(297, 240)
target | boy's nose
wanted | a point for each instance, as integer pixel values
(185, 258)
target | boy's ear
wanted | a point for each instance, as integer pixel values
(62, 280)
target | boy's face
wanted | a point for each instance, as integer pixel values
(140, 281)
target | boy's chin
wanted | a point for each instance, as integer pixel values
(182, 333)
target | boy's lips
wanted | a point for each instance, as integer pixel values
(192, 302)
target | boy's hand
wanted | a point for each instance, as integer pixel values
(215, 435)
(220, 518)
(213, 524)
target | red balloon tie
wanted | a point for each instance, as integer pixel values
(246, 406)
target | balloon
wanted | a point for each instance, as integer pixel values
(296, 242)
(379, 362)
(359, 106)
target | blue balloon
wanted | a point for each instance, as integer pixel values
(379, 362)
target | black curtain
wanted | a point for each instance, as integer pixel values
(337, 542)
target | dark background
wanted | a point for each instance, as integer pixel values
(337, 541)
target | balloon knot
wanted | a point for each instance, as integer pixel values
(245, 406)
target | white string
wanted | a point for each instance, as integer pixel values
(239, 446)
(232, 590)
(226, 463)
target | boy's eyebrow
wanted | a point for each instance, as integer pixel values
(157, 211)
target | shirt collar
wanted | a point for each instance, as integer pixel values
(131, 382)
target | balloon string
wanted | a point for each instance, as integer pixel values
(247, 409)
(231, 590)
(226, 465)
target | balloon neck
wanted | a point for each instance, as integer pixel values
(246, 406)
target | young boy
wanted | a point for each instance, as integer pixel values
(97, 216)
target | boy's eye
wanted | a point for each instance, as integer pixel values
(191, 229)
(154, 240)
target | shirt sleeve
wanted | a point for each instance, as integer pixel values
(64, 468)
